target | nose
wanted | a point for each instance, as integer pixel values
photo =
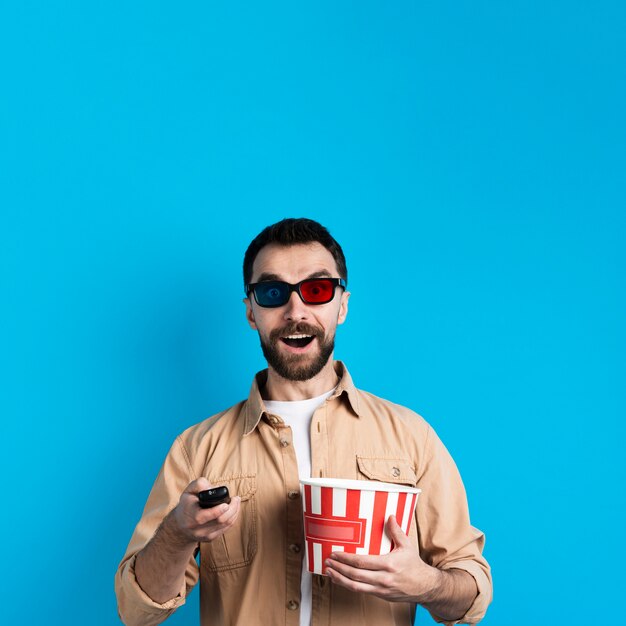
(295, 309)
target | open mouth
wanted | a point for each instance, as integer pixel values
(297, 341)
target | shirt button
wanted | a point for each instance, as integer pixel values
(295, 548)
(292, 605)
(293, 495)
(284, 443)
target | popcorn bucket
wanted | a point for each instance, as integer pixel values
(350, 515)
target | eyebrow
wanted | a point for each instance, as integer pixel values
(267, 276)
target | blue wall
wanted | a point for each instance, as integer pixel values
(470, 158)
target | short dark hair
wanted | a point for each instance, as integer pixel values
(289, 232)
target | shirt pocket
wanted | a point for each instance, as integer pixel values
(392, 469)
(238, 545)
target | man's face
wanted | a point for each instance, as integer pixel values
(297, 338)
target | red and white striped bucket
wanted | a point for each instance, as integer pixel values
(350, 516)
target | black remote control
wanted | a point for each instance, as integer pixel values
(212, 497)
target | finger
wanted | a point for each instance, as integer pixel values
(220, 514)
(230, 513)
(220, 525)
(356, 574)
(396, 534)
(198, 485)
(354, 585)
(360, 561)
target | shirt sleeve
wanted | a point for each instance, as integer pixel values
(446, 538)
(135, 607)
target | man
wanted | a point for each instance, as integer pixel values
(304, 417)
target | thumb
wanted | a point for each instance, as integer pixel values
(396, 534)
(200, 484)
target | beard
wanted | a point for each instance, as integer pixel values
(297, 367)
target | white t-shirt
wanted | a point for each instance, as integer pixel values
(297, 415)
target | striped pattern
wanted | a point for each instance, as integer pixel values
(338, 519)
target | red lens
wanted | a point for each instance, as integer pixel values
(317, 291)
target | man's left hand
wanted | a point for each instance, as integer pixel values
(400, 576)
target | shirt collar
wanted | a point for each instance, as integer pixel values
(254, 408)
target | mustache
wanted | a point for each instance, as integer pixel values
(297, 328)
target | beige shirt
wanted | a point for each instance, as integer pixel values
(251, 575)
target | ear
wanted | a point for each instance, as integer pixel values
(250, 313)
(343, 307)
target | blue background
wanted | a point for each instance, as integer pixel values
(469, 156)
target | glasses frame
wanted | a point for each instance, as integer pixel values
(337, 282)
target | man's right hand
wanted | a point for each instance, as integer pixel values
(194, 524)
(160, 566)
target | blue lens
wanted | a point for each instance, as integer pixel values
(271, 293)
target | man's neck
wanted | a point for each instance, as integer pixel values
(283, 390)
